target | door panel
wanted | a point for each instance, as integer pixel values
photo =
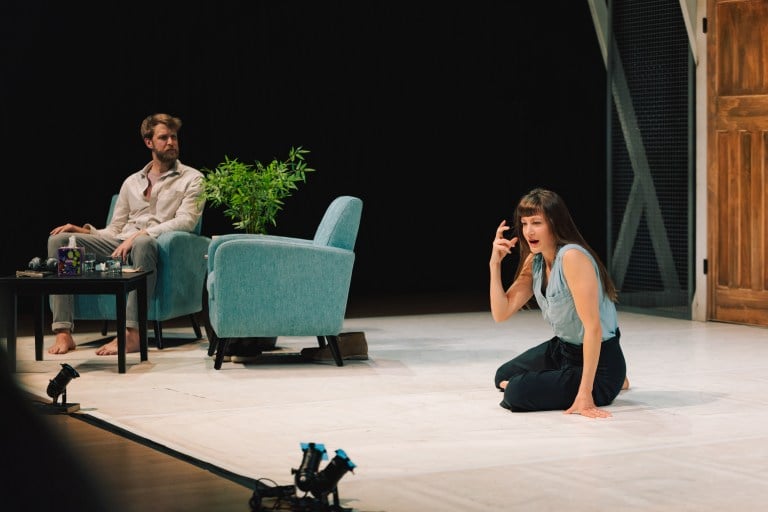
(737, 76)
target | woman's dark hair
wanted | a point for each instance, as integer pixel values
(540, 201)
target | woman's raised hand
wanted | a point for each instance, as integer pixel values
(502, 246)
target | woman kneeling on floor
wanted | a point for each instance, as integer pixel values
(581, 368)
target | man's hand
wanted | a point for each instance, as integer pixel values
(68, 228)
(124, 249)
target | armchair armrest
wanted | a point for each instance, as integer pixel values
(217, 241)
(180, 274)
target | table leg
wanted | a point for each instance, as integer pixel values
(11, 308)
(39, 314)
(120, 304)
(141, 298)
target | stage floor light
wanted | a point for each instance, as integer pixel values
(320, 484)
(57, 387)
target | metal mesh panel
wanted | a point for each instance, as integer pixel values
(650, 137)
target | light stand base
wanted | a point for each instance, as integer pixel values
(296, 504)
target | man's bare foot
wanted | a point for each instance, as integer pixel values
(131, 344)
(63, 344)
(625, 385)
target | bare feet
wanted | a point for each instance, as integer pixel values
(131, 344)
(63, 344)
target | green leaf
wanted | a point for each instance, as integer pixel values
(252, 194)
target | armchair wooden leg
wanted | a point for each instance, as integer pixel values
(217, 345)
(105, 328)
(333, 342)
(221, 349)
(196, 327)
(213, 340)
(158, 328)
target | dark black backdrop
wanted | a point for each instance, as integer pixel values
(439, 115)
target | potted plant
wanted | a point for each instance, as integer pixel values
(253, 194)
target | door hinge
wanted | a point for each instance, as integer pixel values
(706, 266)
(704, 25)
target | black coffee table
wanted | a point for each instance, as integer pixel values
(93, 283)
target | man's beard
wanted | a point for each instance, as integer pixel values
(167, 157)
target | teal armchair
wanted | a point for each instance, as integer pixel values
(270, 286)
(181, 271)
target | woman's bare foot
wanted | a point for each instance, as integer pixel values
(63, 344)
(625, 385)
(503, 385)
(131, 344)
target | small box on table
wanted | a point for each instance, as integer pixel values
(71, 261)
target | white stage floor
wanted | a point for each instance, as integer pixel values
(421, 419)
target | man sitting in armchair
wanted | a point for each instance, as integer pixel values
(162, 196)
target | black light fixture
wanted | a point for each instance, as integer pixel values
(310, 464)
(321, 484)
(307, 478)
(327, 480)
(57, 386)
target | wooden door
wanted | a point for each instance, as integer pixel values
(737, 154)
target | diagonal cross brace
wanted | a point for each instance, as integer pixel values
(642, 197)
